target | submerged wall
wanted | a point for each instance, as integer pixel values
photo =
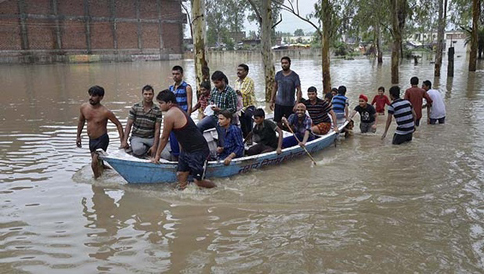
(43, 31)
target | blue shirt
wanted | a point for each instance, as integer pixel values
(232, 142)
(339, 103)
(181, 95)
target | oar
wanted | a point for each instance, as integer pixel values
(304, 147)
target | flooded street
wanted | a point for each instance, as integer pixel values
(367, 207)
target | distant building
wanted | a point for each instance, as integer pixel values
(74, 30)
(455, 38)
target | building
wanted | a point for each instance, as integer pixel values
(34, 31)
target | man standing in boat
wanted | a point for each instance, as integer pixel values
(286, 84)
(145, 121)
(97, 117)
(245, 85)
(194, 148)
(183, 94)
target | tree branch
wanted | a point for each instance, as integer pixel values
(257, 13)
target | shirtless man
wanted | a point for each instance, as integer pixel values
(194, 148)
(97, 117)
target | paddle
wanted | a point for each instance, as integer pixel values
(304, 147)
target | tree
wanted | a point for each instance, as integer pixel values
(326, 27)
(476, 9)
(440, 37)
(263, 14)
(398, 11)
(299, 32)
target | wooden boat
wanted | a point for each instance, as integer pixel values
(142, 171)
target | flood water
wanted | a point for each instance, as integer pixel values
(367, 207)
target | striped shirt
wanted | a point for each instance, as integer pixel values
(319, 111)
(339, 103)
(181, 95)
(246, 87)
(225, 100)
(144, 122)
(402, 110)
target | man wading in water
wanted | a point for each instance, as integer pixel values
(194, 148)
(97, 117)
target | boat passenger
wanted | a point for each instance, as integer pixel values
(204, 98)
(245, 85)
(319, 111)
(340, 103)
(97, 117)
(224, 98)
(183, 94)
(286, 87)
(144, 123)
(264, 134)
(404, 115)
(194, 148)
(367, 115)
(233, 145)
(300, 123)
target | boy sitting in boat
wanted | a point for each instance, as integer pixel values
(300, 125)
(264, 134)
(204, 98)
(319, 111)
(233, 145)
(194, 148)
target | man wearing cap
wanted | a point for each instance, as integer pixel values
(367, 114)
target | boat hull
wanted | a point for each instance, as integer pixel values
(138, 171)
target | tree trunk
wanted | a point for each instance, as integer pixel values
(440, 38)
(198, 15)
(475, 17)
(398, 23)
(266, 48)
(325, 37)
(379, 52)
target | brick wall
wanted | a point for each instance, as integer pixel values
(41, 27)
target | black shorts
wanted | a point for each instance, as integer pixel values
(100, 142)
(400, 139)
(282, 111)
(194, 162)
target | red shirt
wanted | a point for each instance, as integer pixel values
(381, 101)
(415, 95)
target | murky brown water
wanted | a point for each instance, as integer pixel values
(367, 207)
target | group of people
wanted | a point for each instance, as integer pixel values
(233, 113)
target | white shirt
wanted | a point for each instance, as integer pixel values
(437, 110)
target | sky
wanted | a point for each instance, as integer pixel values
(289, 21)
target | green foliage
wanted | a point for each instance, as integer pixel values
(298, 32)
(224, 17)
